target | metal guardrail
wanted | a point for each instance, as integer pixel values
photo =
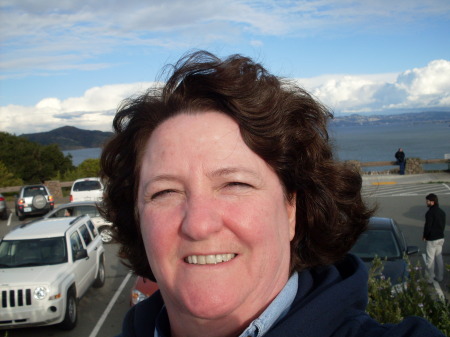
(17, 188)
(394, 163)
(364, 164)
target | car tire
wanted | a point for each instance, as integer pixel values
(71, 314)
(101, 275)
(39, 201)
(106, 234)
(5, 215)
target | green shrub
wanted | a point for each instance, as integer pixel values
(416, 299)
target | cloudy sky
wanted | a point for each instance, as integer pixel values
(67, 62)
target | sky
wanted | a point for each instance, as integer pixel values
(68, 62)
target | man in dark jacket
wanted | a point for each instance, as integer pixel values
(433, 234)
(400, 156)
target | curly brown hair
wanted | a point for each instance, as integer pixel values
(278, 120)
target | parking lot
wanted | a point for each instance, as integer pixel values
(101, 310)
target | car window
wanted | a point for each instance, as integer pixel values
(376, 242)
(86, 235)
(63, 212)
(87, 185)
(75, 243)
(92, 228)
(33, 191)
(86, 209)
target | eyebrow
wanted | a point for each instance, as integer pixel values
(221, 172)
(225, 171)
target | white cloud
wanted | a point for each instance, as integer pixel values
(94, 110)
(51, 35)
(420, 88)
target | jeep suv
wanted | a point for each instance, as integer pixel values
(45, 268)
(33, 200)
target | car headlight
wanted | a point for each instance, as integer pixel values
(40, 293)
(137, 296)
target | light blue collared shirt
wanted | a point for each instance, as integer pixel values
(273, 313)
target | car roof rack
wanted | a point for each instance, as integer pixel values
(77, 218)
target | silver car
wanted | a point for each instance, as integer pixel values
(33, 200)
(84, 207)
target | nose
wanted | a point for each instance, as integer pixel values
(201, 218)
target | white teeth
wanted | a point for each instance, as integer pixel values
(209, 259)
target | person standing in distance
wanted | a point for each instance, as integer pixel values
(400, 156)
(433, 234)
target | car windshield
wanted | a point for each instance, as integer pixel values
(376, 242)
(87, 185)
(33, 191)
(36, 252)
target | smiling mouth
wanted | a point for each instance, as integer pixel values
(209, 259)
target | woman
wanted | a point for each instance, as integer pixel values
(222, 188)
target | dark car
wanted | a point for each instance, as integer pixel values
(33, 200)
(385, 240)
(3, 208)
(90, 208)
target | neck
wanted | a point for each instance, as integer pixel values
(225, 327)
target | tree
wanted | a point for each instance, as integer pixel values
(89, 168)
(7, 178)
(32, 162)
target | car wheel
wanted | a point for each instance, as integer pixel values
(106, 234)
(71, 314)
(5, 215)
(101, 275)
(39, 201)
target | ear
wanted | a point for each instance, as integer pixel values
(291, 207)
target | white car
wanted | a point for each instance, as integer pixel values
(85, 207)
(87, 189)
(45, 268)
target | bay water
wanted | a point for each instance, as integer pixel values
(366, 143)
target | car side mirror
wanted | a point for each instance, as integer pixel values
(412, 250)
(81, 254)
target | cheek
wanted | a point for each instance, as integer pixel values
(261, 221)
(158, 232)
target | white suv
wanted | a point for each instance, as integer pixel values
(87, 189)
(32, 200)
(45, 268)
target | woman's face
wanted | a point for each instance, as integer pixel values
(215, 222)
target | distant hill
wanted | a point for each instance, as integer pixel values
(70, 138)
(404, 118)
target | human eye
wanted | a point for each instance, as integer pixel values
(238, 185)
(162, 194)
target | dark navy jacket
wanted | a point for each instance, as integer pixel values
(434, 224)
(330, 302)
